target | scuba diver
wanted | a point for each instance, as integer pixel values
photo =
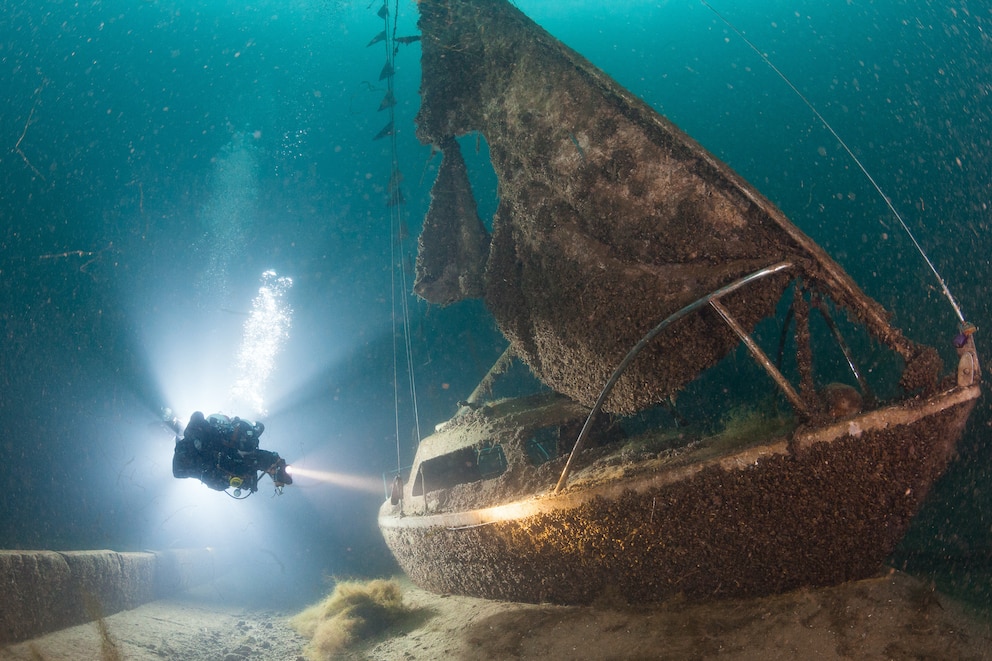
(223, 453)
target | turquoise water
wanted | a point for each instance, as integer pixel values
(159, 156)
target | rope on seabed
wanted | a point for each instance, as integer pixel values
(857, 161)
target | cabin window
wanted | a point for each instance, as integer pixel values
(492, 461)
(460, 467)
(542, 445)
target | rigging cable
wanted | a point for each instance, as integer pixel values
(396, 232)
(857, 161)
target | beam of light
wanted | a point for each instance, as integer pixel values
(190, 335)
(265, 331)
(228, 217)
(356, 482)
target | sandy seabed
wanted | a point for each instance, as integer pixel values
(894, 616)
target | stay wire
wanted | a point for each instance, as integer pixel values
(397, 252)
(405, 286)
(392, 261)
(857, 161)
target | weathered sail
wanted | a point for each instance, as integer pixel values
(609, 220)
(451, 256)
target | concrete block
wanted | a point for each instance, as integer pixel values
(105, 582)
(32, 584)
(44, 591)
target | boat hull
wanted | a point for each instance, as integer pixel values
(823, 507)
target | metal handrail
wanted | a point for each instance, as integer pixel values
(644, 341)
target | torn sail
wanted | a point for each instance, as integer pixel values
(609, 220)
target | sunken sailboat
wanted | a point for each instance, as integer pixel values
(624, 262)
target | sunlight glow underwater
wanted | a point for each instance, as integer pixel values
(216, 381)
(191, 510)
(194, 365)
(265, 332)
